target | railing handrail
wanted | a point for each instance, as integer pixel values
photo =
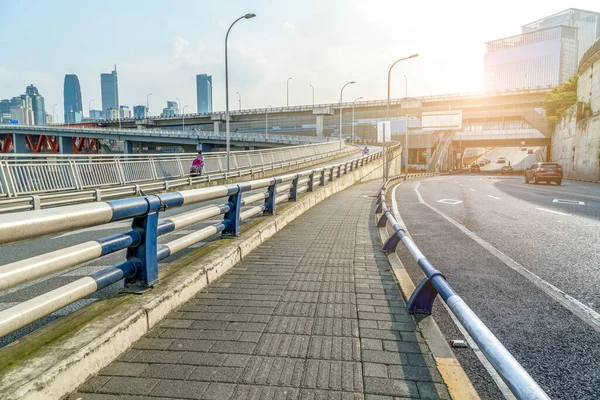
(521, 384)
(141, 265)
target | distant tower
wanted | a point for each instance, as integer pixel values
(204, 93)
(109, 86)
(37, 104)
(72, 99)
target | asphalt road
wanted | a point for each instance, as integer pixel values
(19, 251)
(526, 259)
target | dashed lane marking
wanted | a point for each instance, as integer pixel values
(583, 312)
(576, 202)
(494, 197)
(551, 211)
(450, 201)
(472, 190)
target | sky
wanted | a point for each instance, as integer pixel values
(160, 46)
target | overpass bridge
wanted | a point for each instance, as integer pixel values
(480, 108)
(77, 139)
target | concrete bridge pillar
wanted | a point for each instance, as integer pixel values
(19, 144)
(65, 145)
(319, 112)
(128, 147)
(218, 126)
(320, 125)
(428, 157)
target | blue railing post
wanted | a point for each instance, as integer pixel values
(294, 189)
(143, 255)
(322, 182)
(232, 217)
(270, 203)
(421, 300)
(311, 182)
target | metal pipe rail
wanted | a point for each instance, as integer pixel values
(140, 268)
(421, 301)
(32, 183)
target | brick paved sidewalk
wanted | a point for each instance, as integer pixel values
(314, 313)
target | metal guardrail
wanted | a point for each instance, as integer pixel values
(421, 301)
(140, 269)
(23, 175)
(163, 133)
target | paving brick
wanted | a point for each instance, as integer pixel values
(157, 356)
(248, 392)
(371, 344)
(216, 374)
(128, 385)
(333, 375)
(334, 348)
(290, 325)
(180, 389)
(233, 347)
(191, 345)
(414, 373)
(375, 370)
(385, 357)
(153, 344)
(433, 391)
(335, 327)
(213, 359)
(124, 369)
(218, 391)
(283, 345)
(167, 371)
(391, 387)
(329, 395)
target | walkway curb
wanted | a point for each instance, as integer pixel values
(63, 362)
(457, 381)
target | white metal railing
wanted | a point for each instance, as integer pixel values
(31, 174)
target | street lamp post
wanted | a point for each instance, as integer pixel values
(353, 104)
(267, 120)
(240, 100)
(179, 105)
(148, 104)
(405, 87)
(387, 113)
(288, 92)
(227, 134)
(54, 114)
(183, 115)
(341, 112)
(313, 93)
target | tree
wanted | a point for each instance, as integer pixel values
(560, 99)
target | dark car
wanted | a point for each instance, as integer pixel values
(544, 171)
(475, 167)
(507, 169)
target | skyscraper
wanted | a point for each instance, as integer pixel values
(204, 93)
(110, 90)
(37, 105)
(124, 112)
(139, 111)
(171, 110)
(72, 99)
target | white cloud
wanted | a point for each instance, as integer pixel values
(289, 27)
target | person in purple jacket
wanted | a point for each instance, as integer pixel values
(197, 165)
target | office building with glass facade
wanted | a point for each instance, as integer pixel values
(109, 87)
(546, 53)
(139, 111)
(37, 105)
(72, 99)
(204, 93)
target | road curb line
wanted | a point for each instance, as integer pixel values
(455, 378)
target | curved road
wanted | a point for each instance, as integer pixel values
(526, 259)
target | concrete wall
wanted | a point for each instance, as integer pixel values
(576, 138)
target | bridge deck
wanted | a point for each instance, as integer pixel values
(314, 313)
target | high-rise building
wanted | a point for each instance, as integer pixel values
(72, 99)
(49, 119)
(204, 93)
(546, 53)
(110, 90)
(139, 112)
(124, 112)
(37, 105)
(21, 110)
(111, 113)
(171, 110)
(586, 22)
(96, 114)
(4, 106)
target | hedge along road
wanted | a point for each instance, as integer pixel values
(526, 259)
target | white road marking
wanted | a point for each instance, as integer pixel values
(494, 197)
(576, 202)
(472, 190)
(582, 187)
(478, 353)
(551, 211)
(586, 314)
(460, 184)
(450, 201)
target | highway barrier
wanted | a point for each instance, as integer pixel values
(243, 201)
(36, 181)
(421, 301)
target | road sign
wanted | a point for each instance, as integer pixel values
(384, 131)
(442, 120)
(13, 121)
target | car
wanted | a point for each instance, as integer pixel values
(544, 171)
(523, 148)
(501, 160)
(507, 169)
(529, 151)
(475, 167)
(482, 162)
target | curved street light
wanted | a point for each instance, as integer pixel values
(183, 115)
(313, 92)
(353, 104)
(341, 112)
(267, 120)
(227, 133)
(288, 92)
(54, 115)
(240, 100)
(387, 114)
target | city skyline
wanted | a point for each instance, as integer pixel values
(345, 41)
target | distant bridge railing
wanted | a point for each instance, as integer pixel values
(36, 181)
(191, 134)
(421, 301)
(140, 268)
